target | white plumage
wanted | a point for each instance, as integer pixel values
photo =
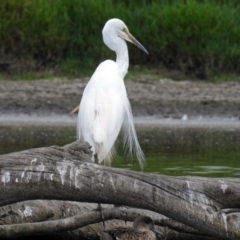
(104, 107)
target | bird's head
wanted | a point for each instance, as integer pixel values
(144, 223)
(117, 28)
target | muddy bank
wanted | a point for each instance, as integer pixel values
(149, 96)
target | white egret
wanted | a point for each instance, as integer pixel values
(104, 107)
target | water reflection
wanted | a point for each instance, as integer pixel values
(189, 164)
(209, 151)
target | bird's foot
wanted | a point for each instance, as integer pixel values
(118, 206)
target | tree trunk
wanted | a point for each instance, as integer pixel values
(204, 207)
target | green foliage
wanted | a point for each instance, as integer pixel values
(195, 36)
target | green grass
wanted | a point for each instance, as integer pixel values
(199, 38)
(29, 76)
(134, 74)
(218, 78)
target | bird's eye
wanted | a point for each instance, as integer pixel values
(125, 30)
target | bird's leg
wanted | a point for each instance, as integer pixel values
(100, 208)
(101, 211)
(95, 158)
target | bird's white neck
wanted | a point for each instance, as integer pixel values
(119, 46)
(122, 57)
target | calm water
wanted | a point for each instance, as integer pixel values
(202, 148)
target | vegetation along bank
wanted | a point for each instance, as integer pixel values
(198, 37)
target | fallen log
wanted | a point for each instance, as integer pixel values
(204, 207)
(41, 217)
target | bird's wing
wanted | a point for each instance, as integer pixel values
(102, 109)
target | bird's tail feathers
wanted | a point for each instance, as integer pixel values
(131, 143)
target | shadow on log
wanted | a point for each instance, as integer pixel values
(49, 190)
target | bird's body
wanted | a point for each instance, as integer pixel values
(103, 98)
(127, 234)
(143, 229)
(104, 107)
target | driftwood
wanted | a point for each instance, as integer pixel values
(199, 208)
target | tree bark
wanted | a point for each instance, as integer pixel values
(207, 207)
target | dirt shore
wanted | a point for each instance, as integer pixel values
(148, 96)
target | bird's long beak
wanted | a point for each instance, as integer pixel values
(130, 38)
(153, 229)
